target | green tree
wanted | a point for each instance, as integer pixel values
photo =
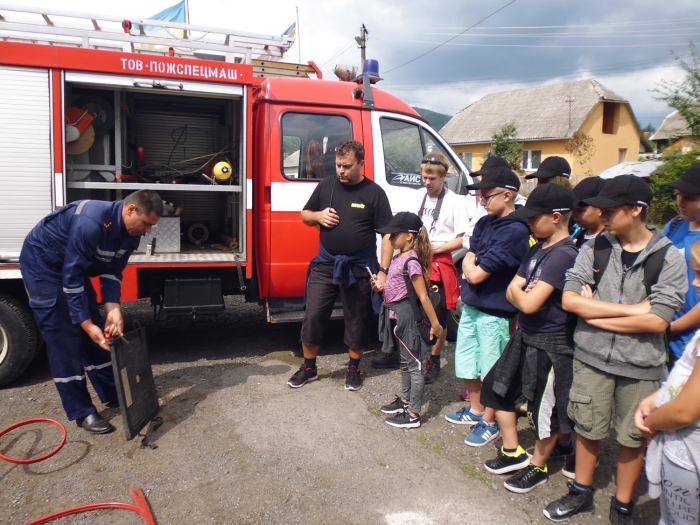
(684, 96)
(503, 144)
(663, 206)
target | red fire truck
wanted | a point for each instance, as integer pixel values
(95, 107)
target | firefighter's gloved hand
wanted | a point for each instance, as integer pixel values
(114, 324)
(95, 334)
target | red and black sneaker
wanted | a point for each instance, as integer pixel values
(303, 376)
(353, 381)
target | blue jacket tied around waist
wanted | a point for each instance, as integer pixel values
(342, 269)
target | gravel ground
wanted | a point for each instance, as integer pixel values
(238, 446)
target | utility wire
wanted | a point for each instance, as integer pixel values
(545, 46)
(451, 39)
(338, 53)
(616, 34)
(629, 66)
(610, 24)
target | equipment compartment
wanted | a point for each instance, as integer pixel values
(187, 147)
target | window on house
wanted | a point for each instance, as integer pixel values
(609, 110)
(621, 154)
(531, 159)
(309, 141)
(466, 158)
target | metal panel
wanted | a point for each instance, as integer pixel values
(147, 84)
(133, 376)
(25, 154)
(172, 138)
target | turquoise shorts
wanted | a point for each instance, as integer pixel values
(481, 339)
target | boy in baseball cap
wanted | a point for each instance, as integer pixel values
(619, 348)
(588, 225)
(498, 244)
(683, 231)
(553, 170)
(541, 349)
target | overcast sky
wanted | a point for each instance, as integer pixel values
(625, 45)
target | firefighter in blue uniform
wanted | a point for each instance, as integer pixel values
(81, 240)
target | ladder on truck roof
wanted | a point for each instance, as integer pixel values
(58, 27)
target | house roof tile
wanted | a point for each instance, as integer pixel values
(539, 113)
(673, 126)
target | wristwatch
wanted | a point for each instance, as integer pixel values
(385, 270)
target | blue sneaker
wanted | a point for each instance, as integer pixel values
(482, 434)
(463, 417)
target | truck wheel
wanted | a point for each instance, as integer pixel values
(19, 339)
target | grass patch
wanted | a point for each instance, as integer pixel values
(423, 439)
(374, 411)
(472, 472)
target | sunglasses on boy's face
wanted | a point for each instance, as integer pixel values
(434, 161)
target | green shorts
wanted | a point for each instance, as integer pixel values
(481, 339)
(596, 396)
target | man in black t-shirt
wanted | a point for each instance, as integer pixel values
(348, 210)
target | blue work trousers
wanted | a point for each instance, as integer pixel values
(72, 354)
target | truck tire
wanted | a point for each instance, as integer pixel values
(19, 339)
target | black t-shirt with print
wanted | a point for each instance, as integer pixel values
(549, 265)
(362, 209)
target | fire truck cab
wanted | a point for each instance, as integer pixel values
(234, 145)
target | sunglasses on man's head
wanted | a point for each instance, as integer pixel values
(433, 160)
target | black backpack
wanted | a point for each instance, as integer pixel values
(652, 264)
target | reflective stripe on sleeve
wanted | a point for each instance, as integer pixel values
(98, 367)
(74, 290)
(109, 276)
(80, 207)
(106, 253)
(68, 379)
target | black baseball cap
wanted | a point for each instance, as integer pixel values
(498, 178)
(547, 198)
(587, 189)
(551, 167)
(404, 221)
(689, 181)
(489, 164)
(623, 189)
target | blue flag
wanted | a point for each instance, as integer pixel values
(291, 31)
(174, 13)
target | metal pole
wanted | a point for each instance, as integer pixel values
(361, 41)
(298, 38)
(187, 16)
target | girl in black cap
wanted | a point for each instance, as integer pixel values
(397, 326)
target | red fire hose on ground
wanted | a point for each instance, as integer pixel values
(139, 506)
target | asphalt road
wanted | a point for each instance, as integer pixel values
(239, 446)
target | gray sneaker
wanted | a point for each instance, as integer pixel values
(397, 406)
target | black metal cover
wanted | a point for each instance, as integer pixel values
(138, 398)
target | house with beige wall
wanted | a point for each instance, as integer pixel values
(545, 118)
